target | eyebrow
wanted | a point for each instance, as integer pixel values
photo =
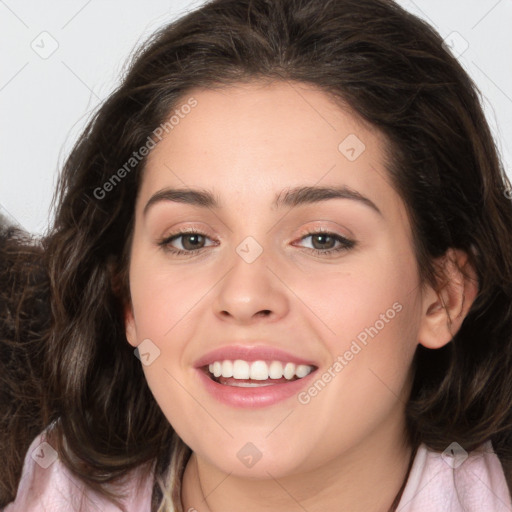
(292, 198)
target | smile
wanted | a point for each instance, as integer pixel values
(254, 384)
(256, 373)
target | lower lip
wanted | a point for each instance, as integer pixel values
(255, 396)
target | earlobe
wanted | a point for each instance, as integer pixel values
(444, 309)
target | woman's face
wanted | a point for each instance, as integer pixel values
(259, 275)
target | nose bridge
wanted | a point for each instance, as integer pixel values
(250, 288)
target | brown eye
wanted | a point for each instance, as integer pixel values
(191, 242)
(324, 243)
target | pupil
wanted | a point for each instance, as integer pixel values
(319, 238)
(188, 238)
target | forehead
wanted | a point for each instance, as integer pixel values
(258, 138)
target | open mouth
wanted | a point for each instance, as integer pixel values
(242, 373)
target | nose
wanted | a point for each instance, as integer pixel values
(251, 292)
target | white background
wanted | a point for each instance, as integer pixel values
(45, 102)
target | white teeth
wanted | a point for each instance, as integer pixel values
(289, 371)
(302, 370)
(240, 369)
(217, 368)
(258, 370)
(227, 368)
(275, 370)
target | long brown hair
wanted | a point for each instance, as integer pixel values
(24, 319)
(394, 71)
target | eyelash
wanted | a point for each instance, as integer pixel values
(346, 243)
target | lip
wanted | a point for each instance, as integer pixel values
(250, 353)
(248, 397)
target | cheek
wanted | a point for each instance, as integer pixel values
(366, 384)
(166, 302)
(364, 298)
(373, 316)
(163, 303)
(163, 297)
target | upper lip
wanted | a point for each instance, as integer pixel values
(250, 353)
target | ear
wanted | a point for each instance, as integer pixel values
(129, 325)
(444, 309)
(117, 279)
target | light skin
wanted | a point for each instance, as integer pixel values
(346, 448)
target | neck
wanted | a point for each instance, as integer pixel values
(366, 478)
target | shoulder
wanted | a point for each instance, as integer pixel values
(47, 485)
(456, 480)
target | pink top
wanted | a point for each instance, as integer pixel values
(46, 485)
(456, 482)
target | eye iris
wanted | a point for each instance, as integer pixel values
(195, 244)
(321, 237)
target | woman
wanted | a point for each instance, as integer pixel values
(252, 365)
